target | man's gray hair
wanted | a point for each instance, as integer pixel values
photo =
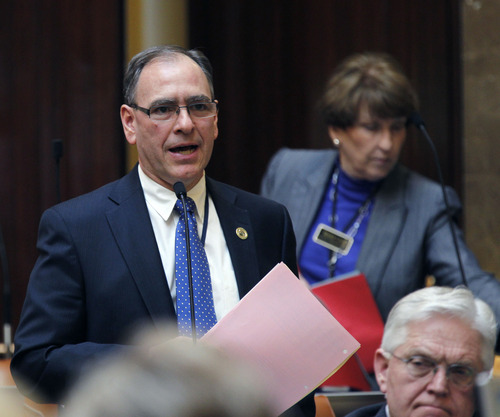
(165, 377)
(430, 302)
(165, 52)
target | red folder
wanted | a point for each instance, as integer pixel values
(351, 302)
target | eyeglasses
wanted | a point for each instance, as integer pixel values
(198, 110)
(462, 376)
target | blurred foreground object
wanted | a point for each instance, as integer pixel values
(174, 379)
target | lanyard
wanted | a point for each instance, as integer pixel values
(205, 221)
(352, 226)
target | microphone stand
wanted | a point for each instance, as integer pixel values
(419, 123)
(7, 332)
(180, 192)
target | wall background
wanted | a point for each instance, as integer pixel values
(481, 62)
(60, 78)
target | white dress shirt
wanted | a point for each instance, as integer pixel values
(160, 202)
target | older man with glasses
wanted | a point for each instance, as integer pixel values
(438, 343)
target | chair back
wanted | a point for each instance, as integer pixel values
(323, 407)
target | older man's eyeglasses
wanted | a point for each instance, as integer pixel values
(164, 112)
(462, 376)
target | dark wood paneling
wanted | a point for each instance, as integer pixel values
(60, 70)
(271, 60)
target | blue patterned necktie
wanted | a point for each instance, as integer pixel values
(205, 316)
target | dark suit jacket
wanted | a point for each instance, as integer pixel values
(99, 275)
(408, 236)
(376, 410)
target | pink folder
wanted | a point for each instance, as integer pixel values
(282, 329)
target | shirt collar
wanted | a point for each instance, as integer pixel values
(163, 200)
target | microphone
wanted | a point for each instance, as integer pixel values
(7, 332)
(419, 123)
(57, 152)
(180, 192)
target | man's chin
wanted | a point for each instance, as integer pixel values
(189, 180)
(431, 411)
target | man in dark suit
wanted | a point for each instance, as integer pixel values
(106, 259)
(438, 343)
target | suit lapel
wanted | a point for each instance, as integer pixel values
(242, 251)
(381, 411)
(386, 223)
(306, 194)
(132, 229)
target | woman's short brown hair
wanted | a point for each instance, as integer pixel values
(372, 79)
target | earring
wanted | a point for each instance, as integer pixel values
(336, 142)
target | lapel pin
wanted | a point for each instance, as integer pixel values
(241, 233)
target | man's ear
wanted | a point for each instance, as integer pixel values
(216, 126)
(128, 122)
(380, 366)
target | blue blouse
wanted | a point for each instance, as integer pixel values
(351, 194)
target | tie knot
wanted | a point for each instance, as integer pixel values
(190, 206)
